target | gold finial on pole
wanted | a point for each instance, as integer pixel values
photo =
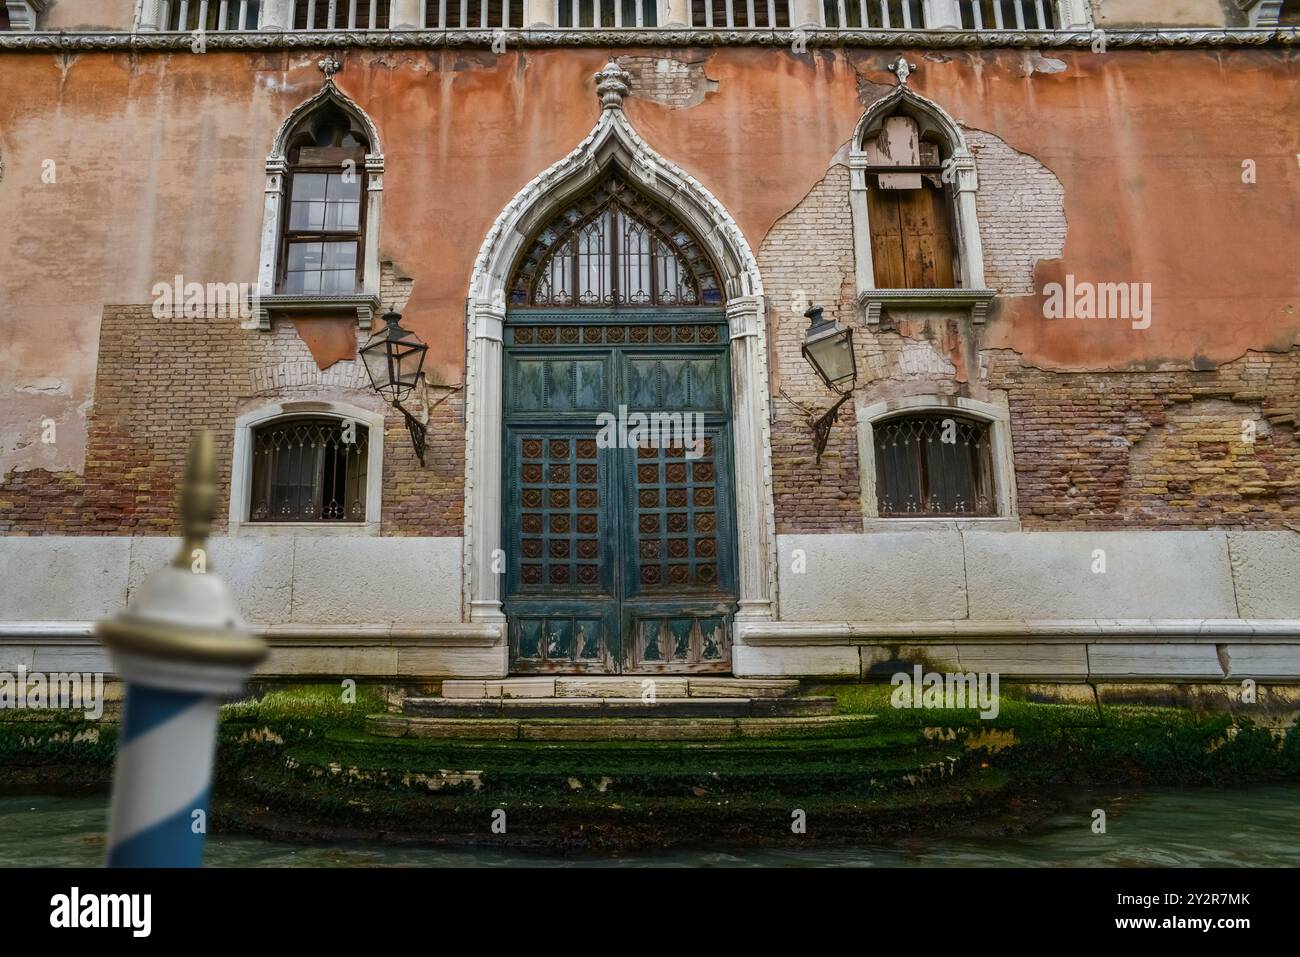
(197, 502)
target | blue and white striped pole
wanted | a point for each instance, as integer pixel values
(180, 646)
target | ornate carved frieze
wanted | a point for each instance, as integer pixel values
(425, 39)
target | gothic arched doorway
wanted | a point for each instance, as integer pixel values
(618, 516)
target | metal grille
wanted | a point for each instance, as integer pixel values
(740, 14)
(604, 14)
(304, 470)
(1007, 14)
(210, 15)
(933, 465)
(341, 14)
(614, 247)
(873, 14)
(473, 14)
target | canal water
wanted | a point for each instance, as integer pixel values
(1246, 827)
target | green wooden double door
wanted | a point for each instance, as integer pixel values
(620, 544)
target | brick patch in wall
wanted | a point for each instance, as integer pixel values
(672, 81)
(160, 380)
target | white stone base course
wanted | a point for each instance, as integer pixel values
(1182, 606)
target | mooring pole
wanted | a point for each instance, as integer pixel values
(180, 646)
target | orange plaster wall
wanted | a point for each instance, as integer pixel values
(161, 169)
(1149, 148)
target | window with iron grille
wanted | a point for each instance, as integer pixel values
(1008, 14)
(210, 15)
(474, 14)
(873, 14)
(740, 14)
(341, 14)
(578, 14)
(934, 465)
(306, 470)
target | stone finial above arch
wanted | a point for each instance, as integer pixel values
(613, 140)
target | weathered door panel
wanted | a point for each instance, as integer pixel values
(619, 559)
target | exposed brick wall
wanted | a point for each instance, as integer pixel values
(808, 256)
(1021, 209)
(160, 380)
(1156, 449)
(673, 81)
(1092, 449)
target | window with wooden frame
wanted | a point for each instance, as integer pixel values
(321, 247)
(909, 209)
(309, 470)
(934, 465)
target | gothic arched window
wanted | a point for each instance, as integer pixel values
(321, 251)
(615, 247)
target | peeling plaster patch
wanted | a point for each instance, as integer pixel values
(395, 285)
(668, 81)
(1021, 208)
(869, 92)
(45, 386)
(937, 57)
(1035, 62)
(919, 358)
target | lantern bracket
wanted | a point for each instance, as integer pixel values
(416, 429)
(822, 426)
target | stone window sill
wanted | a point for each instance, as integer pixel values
(975, 302)
(993, 523)
(364, 304)
(306, 529)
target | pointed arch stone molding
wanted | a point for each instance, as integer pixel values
(971, 295)
(613, 140)
(366, 300)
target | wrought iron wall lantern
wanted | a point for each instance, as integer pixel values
(394, 359)
(828, 347)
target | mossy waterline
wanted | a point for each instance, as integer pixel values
(298, 762)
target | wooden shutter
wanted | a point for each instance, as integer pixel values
(911, 236)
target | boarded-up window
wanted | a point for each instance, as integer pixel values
(911, 236)
(907, 206)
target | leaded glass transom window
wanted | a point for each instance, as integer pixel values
(933, 465)
(309, 470)
(615, 247)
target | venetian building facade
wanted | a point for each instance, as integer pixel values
(1060, 234)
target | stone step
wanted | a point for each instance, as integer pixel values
(588, 707)
(617, 729)
(620, 686)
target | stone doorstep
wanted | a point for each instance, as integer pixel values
(618, 687)
(587, 729)
(617, 707)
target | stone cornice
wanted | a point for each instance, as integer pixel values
(542, 39)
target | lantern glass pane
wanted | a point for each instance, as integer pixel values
(833, 355)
